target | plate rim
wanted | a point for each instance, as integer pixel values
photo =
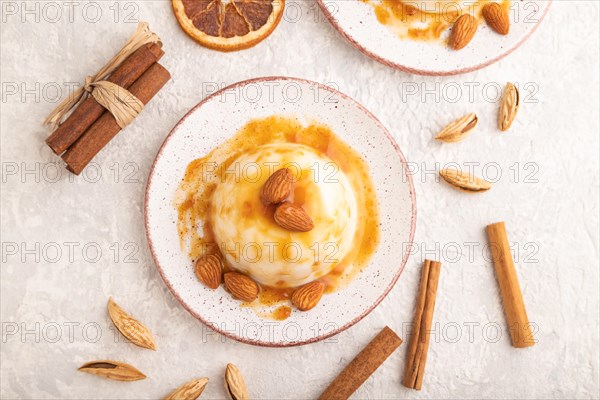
(324, 336)
(425, 72)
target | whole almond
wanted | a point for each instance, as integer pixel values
(189, 391)
(241, 287)
(496, 17)
(458, 129)
(278, 187)
(508, 107)
(465, 181)
(308, 296)
(113, 370)
(131, 328)
(235, 384)
(463, 31)
(293, 218)
(209, 270)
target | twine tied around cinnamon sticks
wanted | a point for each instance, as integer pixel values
(121, 103)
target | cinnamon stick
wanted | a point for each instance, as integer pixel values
(363, 365)
(105, 128)
(89, 110)
(510, 290)
(419, 341)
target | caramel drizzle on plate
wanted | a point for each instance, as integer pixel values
(192, 199)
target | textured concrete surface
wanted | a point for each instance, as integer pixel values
(69, 243)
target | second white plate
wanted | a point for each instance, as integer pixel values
(356, 21)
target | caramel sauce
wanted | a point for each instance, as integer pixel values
(269, 296)
(427, 24)
(193, 199)
(281, 313)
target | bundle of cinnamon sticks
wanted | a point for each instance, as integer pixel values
(90, 126)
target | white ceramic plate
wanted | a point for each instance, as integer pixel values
(356, 21)
(219, 117)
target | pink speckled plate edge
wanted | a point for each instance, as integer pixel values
(322, 336)
(419, 71)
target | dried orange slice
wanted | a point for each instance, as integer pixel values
(228, 25)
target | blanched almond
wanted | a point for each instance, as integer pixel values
(189, 391)
(508, 107)
(235, 384)
(113, 370)
(465, 181)
(458, 129)
(131, 328)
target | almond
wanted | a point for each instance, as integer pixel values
(496, 17)
(292, 217)
(235, 384)
(508, 107)
(209, 269)
(458, 129)
(308, 296)
(189, 391)
(241, 287)
(113, 370)
(465, 181)
(463, 31)
(131, 328)
(278, 187)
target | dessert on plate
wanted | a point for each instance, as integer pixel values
(432, 20)
(281, 213)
